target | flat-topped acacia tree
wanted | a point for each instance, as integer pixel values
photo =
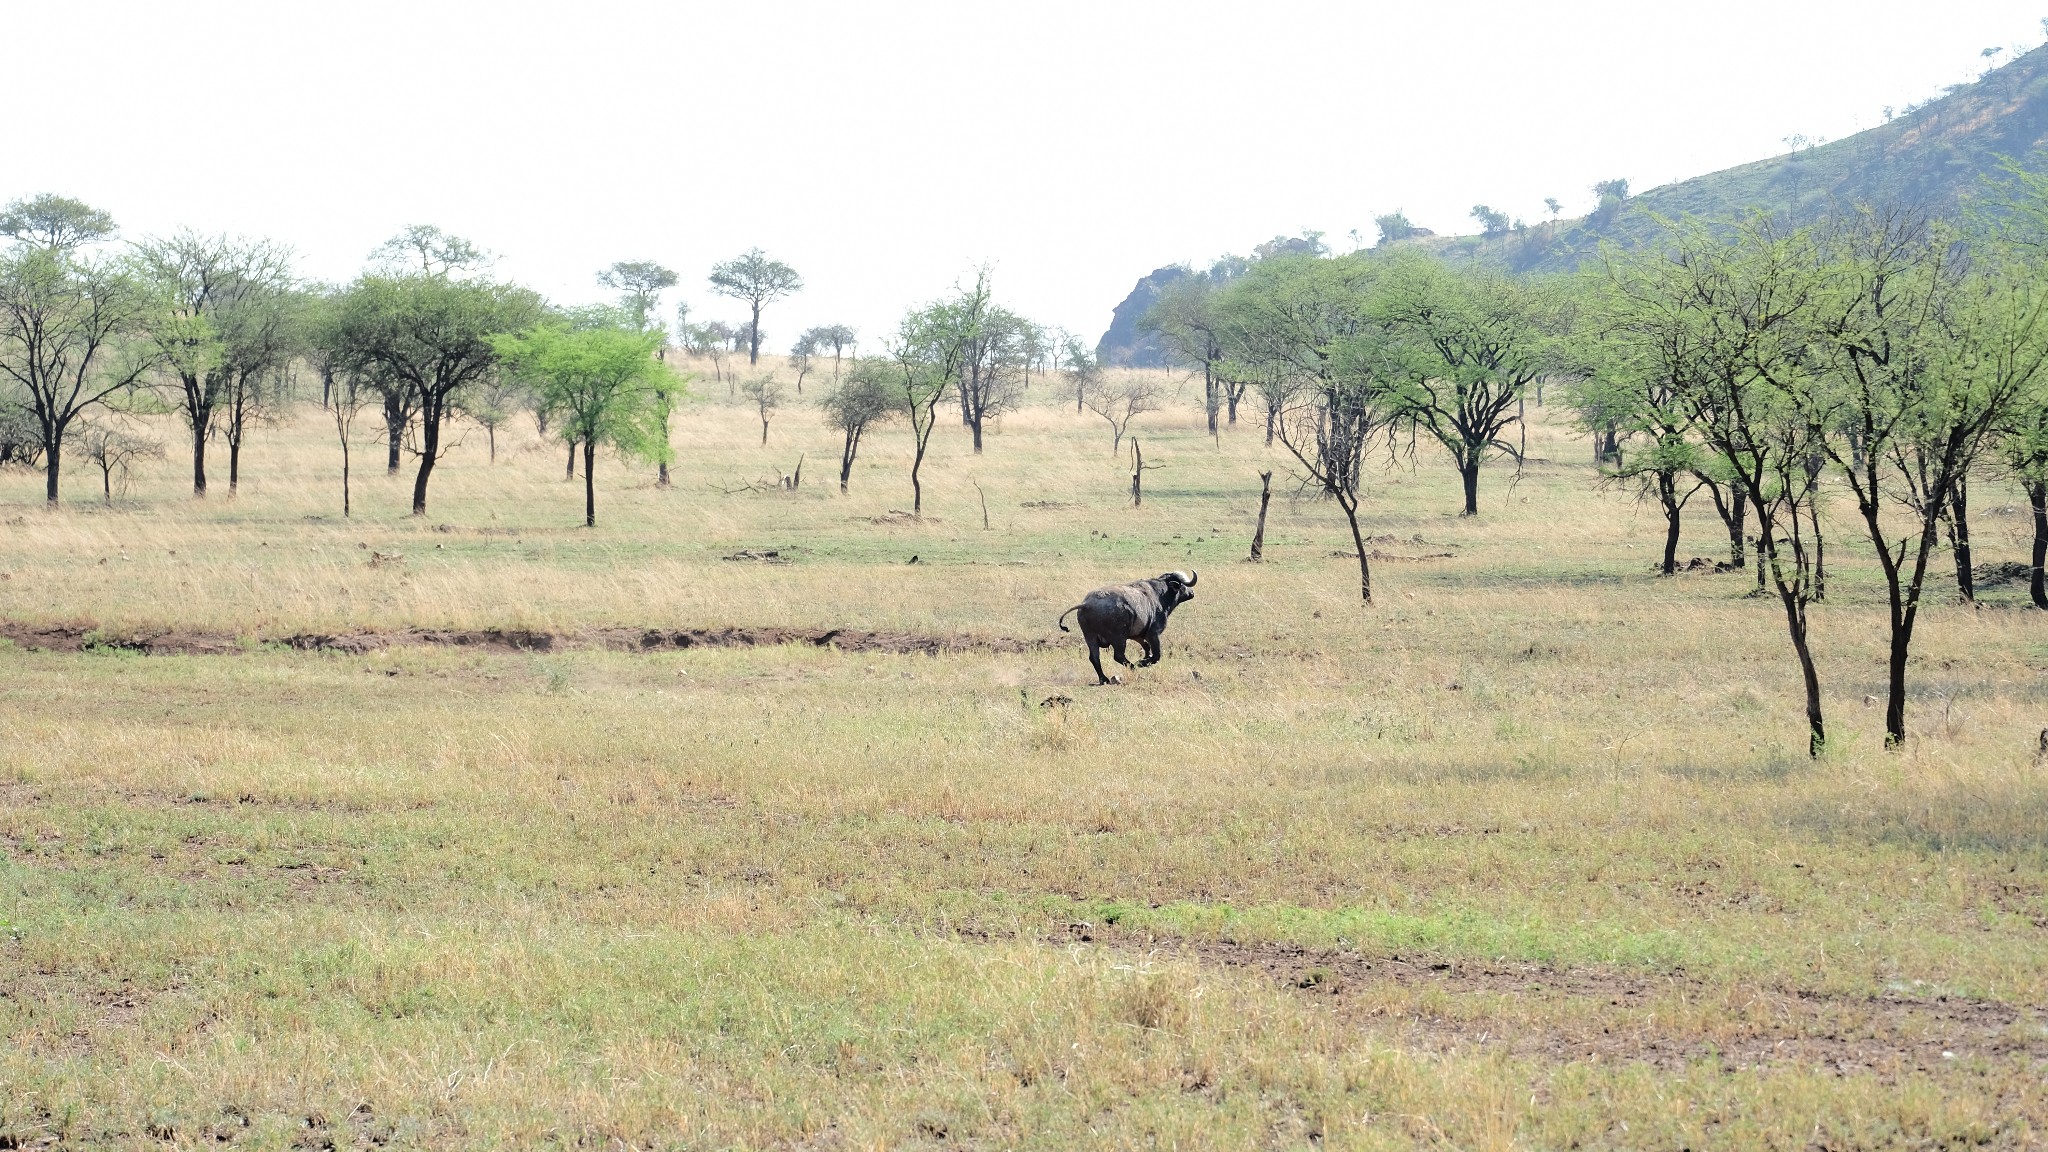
(758, 280)
(603, 383)
(66, 319)
(428, 335)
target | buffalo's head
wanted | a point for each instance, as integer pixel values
(1176, 588)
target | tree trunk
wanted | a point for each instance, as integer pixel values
(1358, 541)
(1667, 495)
(590, 483)
(52, 452)
(1959, 536)
(1209, 394)
(1259, 534)
(1230, 398)
(430, 451)
(106, 485)
(846, 459)
(764, 437)
(234, 463)
(661, 474)
(1820, 554)
(1272, 414)
(198, 460)
(916, 489)
(1469, 472)
(394, 427)
(491, 436)
(2037, 583)
(344, 478)
(571, 473)
(1795, 623)
(1739, 502)
(754, 339)
(1137, 474)
(976, 425)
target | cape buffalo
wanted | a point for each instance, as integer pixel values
(1111, 617)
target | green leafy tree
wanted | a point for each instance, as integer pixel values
(1927, 360)
(1492, 221)
(759, 281)
(1729, 316)
(225, 318)
(992, 370)
(765, 394)
(1307, 326)
(925, 356)
(1185, 317)
(1394, 227)
(863, 399)
(55, 223)
(1472, 342)
(1623, 391)
(601, 381)
(640, 284)
(427, 336)
(67, 323)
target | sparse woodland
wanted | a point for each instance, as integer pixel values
(1611, 715)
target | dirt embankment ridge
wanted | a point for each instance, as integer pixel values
(187, 642)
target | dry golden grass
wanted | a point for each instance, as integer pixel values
(791, 897)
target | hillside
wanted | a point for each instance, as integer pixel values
(1935, 156)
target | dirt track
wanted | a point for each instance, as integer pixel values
(82, 637)
(1885, 1034)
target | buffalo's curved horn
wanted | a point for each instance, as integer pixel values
(1187, 577)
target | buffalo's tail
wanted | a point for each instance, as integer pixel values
(1063, 617)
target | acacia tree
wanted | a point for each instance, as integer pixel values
(601, 381)
(640, 284)
(220, 321)
(862, 400)
(765, 392)
(1472, 341)
(713, 341)
(496, 399)
(114, 451)
(1120, 399)
(925, 359)
(1188, 318)
(65, 322)
(1927, 361)
(1729, 321)
(1627, 392)
(838, 337)
(426, 335)
(1077, 364)
(992, 369)
(1306, 324)
(800, 354)
(759, 281)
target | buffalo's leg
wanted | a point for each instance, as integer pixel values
(1095, 658)
(1151, 646)
(1122, 657)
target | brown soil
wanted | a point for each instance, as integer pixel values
(1594, 1015)
(82, 637)
(1603, 1015)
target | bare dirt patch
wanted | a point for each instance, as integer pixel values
(1591, 1015)
(85, 637)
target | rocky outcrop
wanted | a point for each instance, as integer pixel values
(1125, 345)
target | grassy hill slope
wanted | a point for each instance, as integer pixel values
(1937, 155)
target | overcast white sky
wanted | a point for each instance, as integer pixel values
(886, 149)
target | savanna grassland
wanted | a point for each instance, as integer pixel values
(1528, 854)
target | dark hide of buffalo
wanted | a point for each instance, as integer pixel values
(1112, 617)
